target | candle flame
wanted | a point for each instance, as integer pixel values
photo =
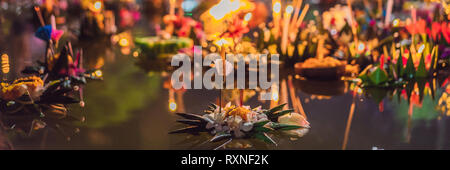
(277, 7)
(289, 9)
(248, 16)
(172, 106)
(275, 96)
(123, 42)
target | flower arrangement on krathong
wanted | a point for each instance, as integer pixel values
(242, 122)
(41, 99)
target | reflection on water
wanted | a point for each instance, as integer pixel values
(133, 109)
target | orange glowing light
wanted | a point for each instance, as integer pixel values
(98, 5)
(248, 16)
(277, 7)
(172, 106)
(124, 42)
(289, 9)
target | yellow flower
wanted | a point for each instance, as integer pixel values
(20, 86)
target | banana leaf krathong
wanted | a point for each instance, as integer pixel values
(397, 71)
(233, 122)
(63, 68)
(27, 104)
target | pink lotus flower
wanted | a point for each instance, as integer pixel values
(74, 67)
(56, 34)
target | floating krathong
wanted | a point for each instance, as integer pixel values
(234, 122)
(393, 72)
(41, 98)
(31, 103)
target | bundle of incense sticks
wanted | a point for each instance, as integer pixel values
(292, 20)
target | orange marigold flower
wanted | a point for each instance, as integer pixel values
(19, 87)
(239, 111)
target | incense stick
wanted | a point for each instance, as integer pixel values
(302, 15)
(296, 12)
(390, 4)
(39, 14)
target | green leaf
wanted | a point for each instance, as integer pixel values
(399, 66)
(275, 109)
(261, 129)
(409, 70)
(264, 137)
(421, 70)
(280, 126)
(262, 123)
(283, 112)
(378, 76)
(365, 79)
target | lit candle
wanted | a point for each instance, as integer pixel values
(302, 15)
(180, 101)
(172, 103)
(284, 94)
(180, 8)
(247, 18)
(390, 4)
(286, 19)
(320, 46)
(275, 97)
(352, 21)
(297, 4)
(413, 14)
(53, 22)
(39, 14)
(276, 18)
(172, 7)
